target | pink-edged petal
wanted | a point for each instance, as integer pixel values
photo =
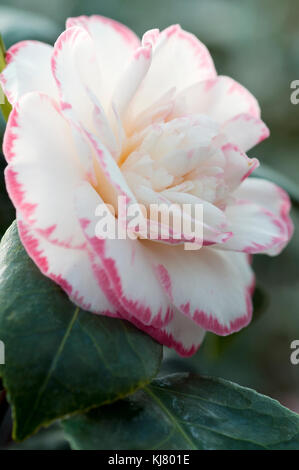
(181, 334)
(237, 166)
(102, 29)
(259, 218)
(221, 98)
(179, 60)
(132, 77)
(254, 228)
(245, 131)
(267, 194)
(210, 286)
(28, 69)
(126, 264)
(81, 87)
(77, 75)
(215, 226)
(70, 268)
(211, 228)
(114, 45)
(43, 168)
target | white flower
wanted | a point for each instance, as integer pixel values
(102, 115)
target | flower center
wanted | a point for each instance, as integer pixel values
(179, 156)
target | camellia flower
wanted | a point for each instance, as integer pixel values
(102, 115)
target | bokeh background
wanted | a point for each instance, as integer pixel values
(257, 43)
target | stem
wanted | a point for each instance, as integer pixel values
(5, 106)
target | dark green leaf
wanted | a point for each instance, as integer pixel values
(51, 438)
(60, 359)
(185, 411)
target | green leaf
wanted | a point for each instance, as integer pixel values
(2, 54)
(51, 438)
(59, 358)
(5, 106)
(186, 411)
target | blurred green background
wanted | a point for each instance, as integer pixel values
(257, 43)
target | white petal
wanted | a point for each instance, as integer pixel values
(127, 266)
(215, 225)
(114, 44)
(245, 131)
(112, 182)
(221, 98)
(210, 286)
(259, 219)
(181, 334)
(131, 78)
(237, 166)
(179, 60)
(28, 69)
(43, 168)
(76, 72)
(81, 86)
(70, 268)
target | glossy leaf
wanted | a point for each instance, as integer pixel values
(4, 104)
(51, 438)
(60, 359)
(186, 411)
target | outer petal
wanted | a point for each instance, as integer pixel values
(102, 29)
(211, 287)
(255, 229)
(245, 131)
(181, 334)
(179, 60)
(43, 168)
(76, 72)
(28, 69)
(221, 98)
(81, 86)
(127, 266)
(260, 218)
(114, 44)
(70, 268)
